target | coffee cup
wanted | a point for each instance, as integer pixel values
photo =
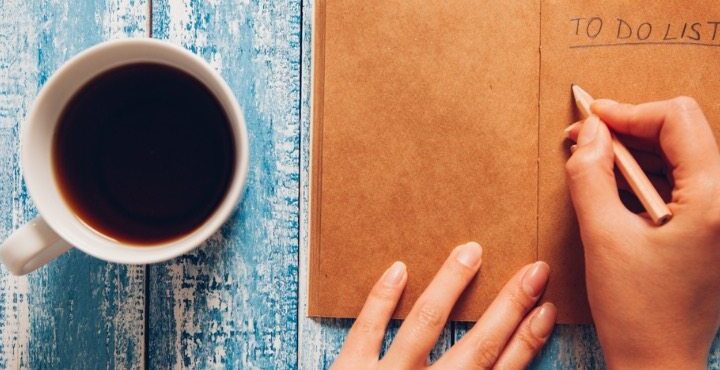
(87, 193)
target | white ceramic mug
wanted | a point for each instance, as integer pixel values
(58, 228)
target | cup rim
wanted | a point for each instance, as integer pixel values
(129, 253)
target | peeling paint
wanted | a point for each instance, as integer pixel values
(77, 311)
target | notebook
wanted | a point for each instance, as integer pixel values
(437, 123)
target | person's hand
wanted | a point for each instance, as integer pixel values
(654, 291)
(505, 337)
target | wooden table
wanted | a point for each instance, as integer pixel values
(238, 301)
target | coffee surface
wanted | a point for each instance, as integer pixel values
(144, 153)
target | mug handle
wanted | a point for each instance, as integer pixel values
(31, 246)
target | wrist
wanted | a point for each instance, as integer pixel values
(659, 344)
(659, 366)
(668, 360)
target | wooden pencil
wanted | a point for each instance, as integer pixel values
(630, 169)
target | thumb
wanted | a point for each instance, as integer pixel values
(591, 179)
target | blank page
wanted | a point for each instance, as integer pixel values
(424, 137)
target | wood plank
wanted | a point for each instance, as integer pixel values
(78, 312)
(233, 302)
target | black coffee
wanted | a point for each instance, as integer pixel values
(144, 153)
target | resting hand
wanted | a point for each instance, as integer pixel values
(507, 336)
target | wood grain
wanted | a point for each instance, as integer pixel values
(77, 312)
(233, 303)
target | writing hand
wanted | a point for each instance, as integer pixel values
(506, 336)
(654, 292)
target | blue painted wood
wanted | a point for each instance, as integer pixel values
(78, 312)
(234, 302)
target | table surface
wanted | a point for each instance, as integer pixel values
(239, 300)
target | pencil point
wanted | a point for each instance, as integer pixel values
(582, 99)
(578, 91)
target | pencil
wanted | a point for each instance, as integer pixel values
(630, 169)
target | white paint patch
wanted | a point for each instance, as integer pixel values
(15, 332)
(180, 13)
(183, 313)
(125, 18)
(181, 21)
(18, 85)
(128, 320)
(18, 69)
(122, 19)
(183, 30)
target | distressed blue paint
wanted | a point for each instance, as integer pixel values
(233, 303)
(714, 358)
(78, 312)
(571, 346)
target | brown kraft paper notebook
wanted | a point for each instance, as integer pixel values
(437, 123)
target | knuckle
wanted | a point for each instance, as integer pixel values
(486, 354)
(578, 163)
(430, 316)
(383, 293)
(584, 161)
(573, 165)
(528, 341)
(709, 188)
(685, 104)
(366, 326)
(635, 115)
(712, 218)
(520, 301)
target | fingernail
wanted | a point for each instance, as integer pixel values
(573, 148)
(543, 321)
(589, 130)
(395, 274)
(469, 254)
(570, 128)
(533, 282)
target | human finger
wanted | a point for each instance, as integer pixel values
(426, 319)
(678, 125)
(529, 338)
(483, 344)
(591, 179)
(365, 337)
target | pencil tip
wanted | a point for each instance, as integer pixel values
(582, 99)
(578, 92)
